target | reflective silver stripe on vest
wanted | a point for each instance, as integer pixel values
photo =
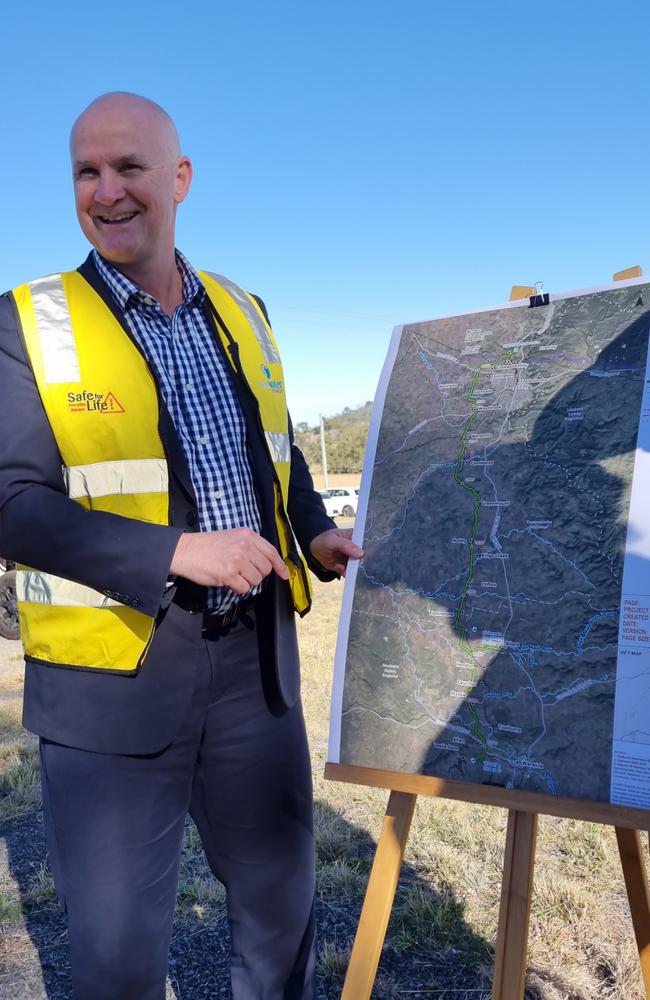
(33, 587)
(269, 350)
(132, 475)
(54, 325)
(279, 446)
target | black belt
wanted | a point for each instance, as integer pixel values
(222, 619)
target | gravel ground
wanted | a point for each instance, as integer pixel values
(36, 962)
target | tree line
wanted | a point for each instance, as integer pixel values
(345, 440)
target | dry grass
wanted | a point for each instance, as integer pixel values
(20, 786)
(443, 927)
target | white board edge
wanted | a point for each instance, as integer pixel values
(338, 678)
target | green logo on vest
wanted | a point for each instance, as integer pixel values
(275, 385)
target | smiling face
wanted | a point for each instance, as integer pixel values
(128, 180)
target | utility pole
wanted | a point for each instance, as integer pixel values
(323, 451)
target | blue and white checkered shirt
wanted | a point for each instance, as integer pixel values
(196, 383)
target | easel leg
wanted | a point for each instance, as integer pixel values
(636, 883)
(380, 893)
(514, 915)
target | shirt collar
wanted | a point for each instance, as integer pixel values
(126, 292)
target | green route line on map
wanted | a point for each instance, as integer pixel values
(476, 728)
(476, 497)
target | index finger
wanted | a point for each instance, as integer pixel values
(273, 556)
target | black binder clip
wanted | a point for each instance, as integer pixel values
(540, 298)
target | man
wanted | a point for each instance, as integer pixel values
(150, 488)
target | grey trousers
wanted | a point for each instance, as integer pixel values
(115, 824)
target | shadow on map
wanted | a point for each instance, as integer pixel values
(524, 557)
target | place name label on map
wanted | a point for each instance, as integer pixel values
(635, 620)
(523, 343)
(505, 728)
(475, 335)
(492, 638)
(576, 689)
(495, 503)
(390, 670)
(488, 585)
(539, 525)
(575, 413)
(446, 746)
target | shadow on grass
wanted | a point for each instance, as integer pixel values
(430, 948)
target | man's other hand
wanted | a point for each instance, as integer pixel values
(333, 548)
(238, 558)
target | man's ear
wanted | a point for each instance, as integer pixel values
(182, 179)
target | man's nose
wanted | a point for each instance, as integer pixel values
(109, 187)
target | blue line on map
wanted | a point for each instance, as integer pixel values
(407, 590)
(557, 652)
(548, 778)
(522, 597)
(577, 686)
(424, 359)
(545, 541)
(501, 694)
(609, 373)
(583, 635)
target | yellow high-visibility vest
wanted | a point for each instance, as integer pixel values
(102, 404)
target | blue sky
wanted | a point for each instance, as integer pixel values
(357, 164)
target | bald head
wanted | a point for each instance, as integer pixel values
(147, 114)
(129, 178)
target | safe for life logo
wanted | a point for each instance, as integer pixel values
(94, 402)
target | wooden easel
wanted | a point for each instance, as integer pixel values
(519, 861)
(519, 858)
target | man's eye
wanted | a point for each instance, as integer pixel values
(131, 168)
(85, 173)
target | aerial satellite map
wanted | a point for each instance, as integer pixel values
(497, 629)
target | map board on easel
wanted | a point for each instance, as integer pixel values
(494, 642)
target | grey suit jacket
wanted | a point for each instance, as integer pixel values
(41, 527)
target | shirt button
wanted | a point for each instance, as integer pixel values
(189, 387)
(204, 440)
(217, 495)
